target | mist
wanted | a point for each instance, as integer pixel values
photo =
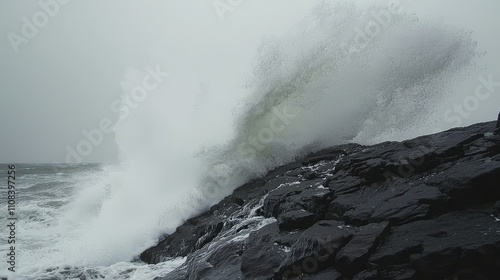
(58, 86)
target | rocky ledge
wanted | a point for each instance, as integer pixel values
(425, 208)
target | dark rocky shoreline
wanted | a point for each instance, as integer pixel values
(418, 209)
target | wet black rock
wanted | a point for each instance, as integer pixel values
(298, 219)
(425, 208)
(353, 256)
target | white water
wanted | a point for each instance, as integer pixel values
(182, 153)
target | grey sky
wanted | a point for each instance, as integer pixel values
(67, 76)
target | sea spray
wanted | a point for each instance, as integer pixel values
(181, 154)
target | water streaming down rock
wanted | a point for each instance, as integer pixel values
(227, 229)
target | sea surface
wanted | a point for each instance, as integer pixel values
(49, 225)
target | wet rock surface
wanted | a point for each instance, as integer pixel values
(425, 208)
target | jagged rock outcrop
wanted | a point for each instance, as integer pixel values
(425, 208)
(498, 121)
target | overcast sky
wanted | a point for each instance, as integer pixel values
(66, 77)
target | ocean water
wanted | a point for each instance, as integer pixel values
(320, 84)
(52, 219)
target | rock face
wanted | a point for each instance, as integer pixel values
(425, 208)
